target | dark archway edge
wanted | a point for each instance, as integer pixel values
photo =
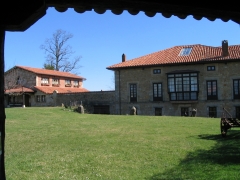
(2, 110)
(20, 15)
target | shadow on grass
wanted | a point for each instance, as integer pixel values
(220, 162)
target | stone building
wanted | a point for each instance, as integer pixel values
(180, 81)
(27, 86)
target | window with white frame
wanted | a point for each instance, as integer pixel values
(55, 81)
(75, 82)
(44, 80)
(68, 82)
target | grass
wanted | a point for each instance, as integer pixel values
(53, 143)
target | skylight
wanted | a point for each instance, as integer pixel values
(185, 51)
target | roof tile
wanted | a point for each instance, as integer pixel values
(51, 72)
(19, 90)
(199, 53)
(64, 90)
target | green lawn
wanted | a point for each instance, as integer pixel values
(53, 143)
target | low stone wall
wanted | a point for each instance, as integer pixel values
(88, 100)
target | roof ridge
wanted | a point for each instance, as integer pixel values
(199, 53)
(49, 72)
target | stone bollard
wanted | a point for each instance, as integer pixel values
(133, 111)
(81, 109)
(194, 112)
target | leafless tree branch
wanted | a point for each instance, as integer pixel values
(59, 53)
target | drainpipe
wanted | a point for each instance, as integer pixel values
(119, 91)
(2, 108)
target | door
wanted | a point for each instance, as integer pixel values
(184, 111)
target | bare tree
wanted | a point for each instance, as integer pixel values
(112, 86)
(59, 53)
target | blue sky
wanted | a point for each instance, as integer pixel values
(102, 39)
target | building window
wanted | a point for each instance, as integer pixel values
(44, 81)
(76, 83)
(133, 92)
(212, 90)
(158, 111)
(157, 71)
(38, 98)
(211, 68)
(43, 98)
(238, 112)
(212, 112)
(68, 83)
(183, 86)
(236, 88)
(184, 111)
(185, 51)
(55, 82)
(157, 92)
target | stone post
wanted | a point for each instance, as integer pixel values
(133, 111)
(81, 109)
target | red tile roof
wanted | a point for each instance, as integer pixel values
(64, 90)
(51, 72)
(199, 53)
(18, 90)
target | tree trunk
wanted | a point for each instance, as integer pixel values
(2, 107)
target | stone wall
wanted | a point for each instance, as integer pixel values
(88, 100)
(27, 79)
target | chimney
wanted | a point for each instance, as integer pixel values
(123, 57)
(224, 48)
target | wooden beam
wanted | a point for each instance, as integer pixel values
(2, 106)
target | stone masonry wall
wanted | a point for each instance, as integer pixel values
(27, 79)
(87, 99)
